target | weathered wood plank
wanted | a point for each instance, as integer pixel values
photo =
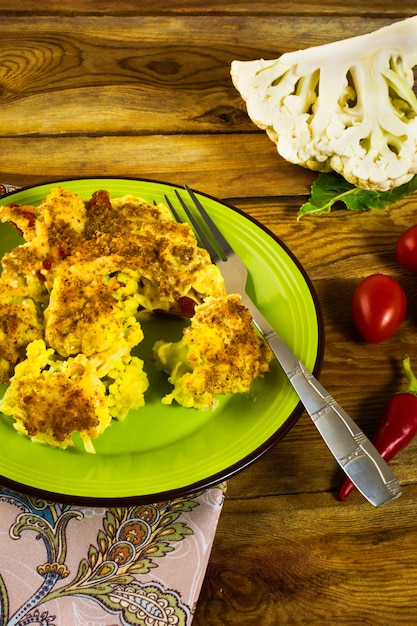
(310, 560)
(218, 7)
(114, 73)
(222, 166)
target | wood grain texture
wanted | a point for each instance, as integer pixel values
(217, 7)
(212, 163)
(148, 75)
(143, 89)
(304, 559)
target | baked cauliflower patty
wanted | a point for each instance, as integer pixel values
(219, 353)
(72, 297)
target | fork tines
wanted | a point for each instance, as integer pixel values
(223, 245)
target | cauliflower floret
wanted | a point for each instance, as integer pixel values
(20, 323)
(346, 106)
(24, 219)
(219, 353)
(126, 384)
(83, 314)
(173, 266)
(51, 398)
(64, 206)
(22, 269)
(51, 231)
(137, 212)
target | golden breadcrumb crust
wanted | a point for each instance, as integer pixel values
(71, 299)
(220, 353)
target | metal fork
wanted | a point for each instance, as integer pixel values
(356, 455)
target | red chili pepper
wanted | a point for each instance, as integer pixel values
(397, 426)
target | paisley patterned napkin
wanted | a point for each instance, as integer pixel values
(65, 565)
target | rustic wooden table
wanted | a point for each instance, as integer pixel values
(142, 89)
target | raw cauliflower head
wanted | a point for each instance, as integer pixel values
(219, 353)
(346, 106)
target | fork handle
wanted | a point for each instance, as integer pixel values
(356, 455)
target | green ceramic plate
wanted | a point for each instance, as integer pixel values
(162, 451)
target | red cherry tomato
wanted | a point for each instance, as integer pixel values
(406, 249)
(378, 307)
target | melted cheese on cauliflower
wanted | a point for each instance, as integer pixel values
(219, 353)
(50, 398)
(20, 323)
(83, 314)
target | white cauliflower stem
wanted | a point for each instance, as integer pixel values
(347, 106)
